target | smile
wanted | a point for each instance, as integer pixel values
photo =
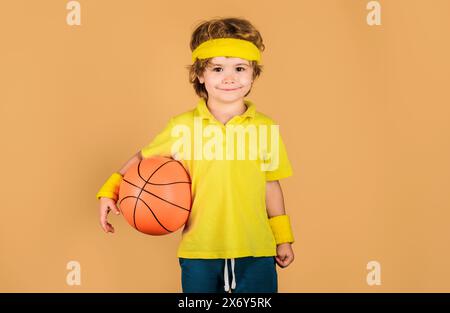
(230, 89)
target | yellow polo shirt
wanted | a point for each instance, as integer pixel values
(228, 218)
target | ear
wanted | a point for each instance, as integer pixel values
(201, 79)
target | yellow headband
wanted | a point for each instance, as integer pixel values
(227, 47)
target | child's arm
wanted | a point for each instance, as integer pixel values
(274, 199)
(106, 203)
(135, 158)
(108, 193)
(275, 207)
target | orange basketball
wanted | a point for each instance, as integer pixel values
(155, 195)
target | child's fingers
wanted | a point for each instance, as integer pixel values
(288, 259)
(107, 227)
(115, 209)
(284, 260)
(280, 260)
(110, 228)
(103, 223)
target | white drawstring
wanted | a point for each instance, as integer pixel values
(233, 282)
(225, 274)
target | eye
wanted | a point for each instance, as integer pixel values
(216, 68)
(243, 68)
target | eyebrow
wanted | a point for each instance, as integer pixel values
(215, 64)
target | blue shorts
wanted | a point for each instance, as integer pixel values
(247, 274)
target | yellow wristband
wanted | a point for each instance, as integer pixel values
(110, 188)
(281, 229)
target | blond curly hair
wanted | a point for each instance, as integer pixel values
(221, 28)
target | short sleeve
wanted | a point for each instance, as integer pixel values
(284, 168)
(161, 144)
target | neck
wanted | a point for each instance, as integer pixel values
(224, 112)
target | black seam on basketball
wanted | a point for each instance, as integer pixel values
(177, 182)
(155, 195)
(147, 180)
(170, 161)
(137, 199)
(170, 231)
(142, 189)
(134, 213)
(134, 210)
(184, 169)
(139, 195)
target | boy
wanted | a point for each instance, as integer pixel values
(238, 211)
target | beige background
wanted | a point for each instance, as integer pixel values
(363, 110)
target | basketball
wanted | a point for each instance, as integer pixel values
(155, 195)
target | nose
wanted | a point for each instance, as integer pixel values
(229, 77)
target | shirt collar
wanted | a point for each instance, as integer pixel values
(203, 111)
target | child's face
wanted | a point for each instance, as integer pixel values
(227, 79)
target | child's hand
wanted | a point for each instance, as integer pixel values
(106, 205)
(285, 255)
